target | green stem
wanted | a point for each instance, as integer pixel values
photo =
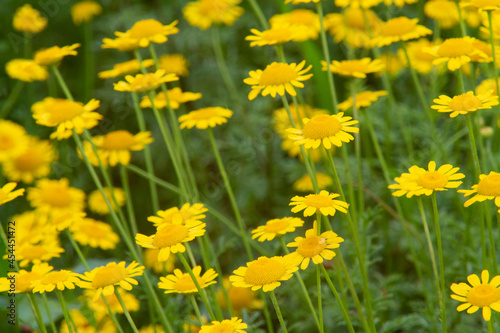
(77, 249)
(67, 315)
(493, 254)
(61, 82)
(89, 60)
(196, 309)
(11, 99)
(157, 180)
(473, 148)
(130, 206)
(490, 322)
(221, 63)
(258, 12)
(47, 309)
(320, 303)
(441, 261)
(36, 312)
(495, 70)
(357, 150)
(125, 311)
(278, 311)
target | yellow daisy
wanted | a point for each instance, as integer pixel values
(174, 63)
(6, 193)
(145, 82)
(31, 227)
(84, 11)
(176, 97)
(187, 213)
(399, 29)
(304, 22)
(275, 35)
(443, 11)
(101, 310)
(27, 19)
(13, 140)
(324, 202)
(420, 60)
(56, 196)
(120, 43)
(158, 267)
(24, 279)
(488, 188)
(61, 280)
(281, 120)
(205, 13)
(487, 5)
(487, 86)
(26, 70)
(296, 2)
(204, 118)
(124, 68)
(363, 100)
(399, 3)
(182, 283)
(276, 227)
(98, 205)
(148, 31)
(464, 103)
(239, 298)
(94, 233)
(456, 52)
(233, 325)
(54, 54)
(420, 181)
(357, 3)
(304, 183)
(356, 68)
(27, 253)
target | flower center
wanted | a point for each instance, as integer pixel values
(170, 235)
(277, 34)
(354, 18)
(118, 140)
(23, 282)
(318, 201)
(63, 110)
(483, 295)
(94, 231)
(353, 66)
(489, 185)
(264, 271)
(186, 284)
(275, 226)
(455, 47)
(206, 113)
(223, 328)
(276, 74)
(484, 3)
(398, 26)
(145, 29)
(432, 180)
(302, 16)
(311, 246)
(56, 196)
(54, 277)
(213, 7)
(6, 142)
(32, 252)
(321, 126)
(29, 161)
(109, 275)
(464, 102)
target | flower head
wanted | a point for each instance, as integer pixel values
(305, 23)
(98, 205)
(56, 196)
(28, 19)
(145, 82)
(61, 280)
(54, 54)
(443, 11)
(421, 60)
(357, 3)
(94, 233)
(124, 68)
(158, 267)
(84, 11)
(6, 193)
(174, 63)
(13, 140)
(356, 68)
(233, 325)
(187, 213)
(488, 188)
(456, 52)
(305, 184)
(275, 35)
(276, 227)
(182, 283)
(324, 202)
(363, 99)
(148, 31)
(175, 97)
(205, 13)
(239, 298)
(24, 279)
(399, 29)
(487, 5)
(48, 248)
(100, 308)
(204, 118)
(26, 70)
(464, 103)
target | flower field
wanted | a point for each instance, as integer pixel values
(231, 166)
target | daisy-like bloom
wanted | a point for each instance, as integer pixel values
(187, 213)
(98, 205)
(324, 130)
(265, 273)
(149, 31)
(456, 52)
(488, 5)
(158, 267)
(275, 35)
(399, 3)
(105, 278)
(169, 237)
(54, 54)
(122, 44)
(281, 121)
(420, 60)
(304, 183)
(488, 188)
(61, 280)
(115, 147)
(182, 283)
(28, 19)
(239, 298)
(56, 196)
(124, 68)
(480, 294)
(174, 63)
(24, 279)
(399, 29)
(304, 22)
(443, 11)
(363, 100)
(84, 11)
(101, 310)
(205, 13)
(26, 70)
(31, 228)
(13, 139)
(487, 86)
(94, 233)
(357, 3)
(66, 115)
(356, 68)
(297, 2)
(204, 118)
(6, 193)
(464, 103)
(27, 253)
(277, 78)
(276, 227)
(315, 247)
(34, 162)
(175, 97)
(233, 325)
(145, 82)
(324, 202)
(420, 181)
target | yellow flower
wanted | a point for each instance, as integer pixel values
(281, 120)
(487, 86)
(443, 11)
(98, 205)
(239, 298)
(145, 82)
(399, 3)
(66, 115)
(104, 278)
(324, 130)
(420, 60)
(47, 249)
(233, 325)
(488, 5)
(158, 267)
(399, 29)
(296, 2)
(94, 233)
(304, 183)
(363, 100)
(148, 31)
(205, 13)
(54, 54)
(169, 237)
(356, 68)
(392, 63)
(175, 97)
(456, 52)
(277, 78)
(28, 19)
(6, 193)
(187, 213)
(61, 280)
(304, 22)
(315, 247)
(420, 181)
(488, 188)
(324, 202)
(174, 63)
(159, 329)
(124, 68)
(26, 70)
(120, 43)
(204, 118)
(84, 11)
(31, 227)
(482, 294)
(82, 324)
(265, 273)
(56, 196)
(357, 3)
(276, 227)
(13, 140)
(100, 309)
(182, 283)
(24, 279)
(275, 35)
(464, 103)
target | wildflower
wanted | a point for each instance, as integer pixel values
(486, 5)
(482, 294)
(159, 329)
(27, 253)
(84, 11)
(56, 196)
(464, 103)
(6, 193)
(273, 36)
(104, 278)
(488, 188)
(363, 99)
(28, 19)
(31, 228)
(182, 283)
(399, 29)
(94, 233)
(443, 11)
(276, 227)
(304, 183)
(304, 22)
(124, 68)
(399, 3)
(24, 279)
(204, 118)
(265, 273)
(169, 237)
(357, 3)
(82, 324)
(158, 267)
(277, 78)
(186, 214)
(315, 247)
(420, 60)
(356, 68)
(54, 54)
(233, 325)
(98, 205)
(296, 2)
(174, 63)
(120, 43)
(205, 13)
(281, 120)
(324, 202)
(175, 97)
(456, 52)
(144, 82)
(13, 140)
(420, 181)
(26, 70)
(100, 309)
(66, 115)
(324, 130)
(239, 298)
(61, 280)
(148, 31)
(487, 86)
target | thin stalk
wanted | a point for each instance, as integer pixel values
(320, 304)
(493, 254)
(64, 307)
(36, 312)
(221, 63)
(357, 151)
(463, 29)
(490, 322)
(495, 71)
(130, 206)
(196, 309)
(278, 311)
(126, 312)
(473, 148)
(47, 309)
(157, 180)
(61, 82)
(441, 261)
(89, 60)
(258, 12)
(11, 99)
(77, 249)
